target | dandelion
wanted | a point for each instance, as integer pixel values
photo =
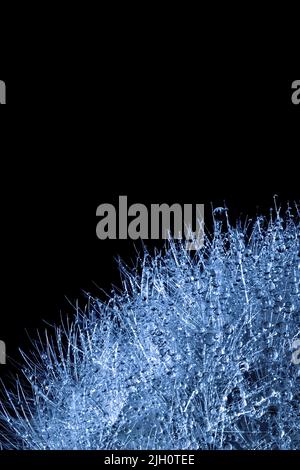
(194, 353)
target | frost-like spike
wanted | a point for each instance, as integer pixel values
(195, 353)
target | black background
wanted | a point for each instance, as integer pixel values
(71, 141)
(155, 141)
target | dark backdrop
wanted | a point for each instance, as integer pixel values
(70, 143)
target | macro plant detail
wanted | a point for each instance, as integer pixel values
(195, 352)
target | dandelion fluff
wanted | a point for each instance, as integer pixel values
(195, 353)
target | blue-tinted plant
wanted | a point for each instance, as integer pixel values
(195, 353)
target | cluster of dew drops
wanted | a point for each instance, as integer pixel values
(195, 352)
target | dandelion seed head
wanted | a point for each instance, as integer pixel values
(195, 353)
